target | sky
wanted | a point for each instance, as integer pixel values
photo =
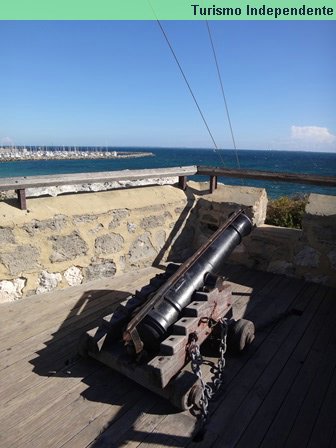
(116, 83)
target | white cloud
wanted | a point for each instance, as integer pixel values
(312, 134)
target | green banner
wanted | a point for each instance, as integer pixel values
(167, 10)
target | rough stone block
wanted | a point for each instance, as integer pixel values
(11, 290)
(272, 243)
(227, 199)
(55, 224)
(141, 249)
(321, 205)
(281, 267)
(99, 269)
(48, 281)
(320, 231)
(118, 216)
(67, 247)
(319, 221)
(308, 257)
(109, 244)
(21, 259)
(73, 276)
(320, 278)
(151, 222)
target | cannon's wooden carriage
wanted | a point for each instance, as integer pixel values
(148, 337)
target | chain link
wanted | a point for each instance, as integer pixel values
(208, 389)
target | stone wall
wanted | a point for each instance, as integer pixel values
(72, 239)
(212, 210)
(309, 253)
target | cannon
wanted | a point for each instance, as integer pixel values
(148, 335)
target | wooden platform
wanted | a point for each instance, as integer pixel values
(280, 393)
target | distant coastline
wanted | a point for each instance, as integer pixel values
(23, 154)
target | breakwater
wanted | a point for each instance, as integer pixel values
(18, 154)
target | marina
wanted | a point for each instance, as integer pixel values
(22, 153)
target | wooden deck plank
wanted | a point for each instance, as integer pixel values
(24, 421)
(86, 404)
(173, 431)
(310, 364)
(324, 369)
(133, 426)
(58, 347)
(111, 395)
(63, 297)
(44, 362)
(18, 380)
(332, 444)
(144, 423)
(324, 426)
(242, 372)
(39, 316)
(127, 425)
(73, 322)
(275, 381)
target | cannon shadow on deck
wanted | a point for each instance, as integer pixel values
(129, 402)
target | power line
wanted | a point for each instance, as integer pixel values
(188, 85)
(223, 94)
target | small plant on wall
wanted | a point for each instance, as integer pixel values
(287, 211)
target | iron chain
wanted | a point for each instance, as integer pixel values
(209, 389)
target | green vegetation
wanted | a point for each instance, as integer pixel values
(286, 211)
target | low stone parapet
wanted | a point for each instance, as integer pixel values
(69, 240)
(65, 241)
(309, 253)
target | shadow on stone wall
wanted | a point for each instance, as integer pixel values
(203, 215)
(180, 242)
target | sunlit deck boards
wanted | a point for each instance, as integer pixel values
(280, 393)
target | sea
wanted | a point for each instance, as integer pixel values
(318, 163)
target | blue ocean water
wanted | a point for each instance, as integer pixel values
(318, 163)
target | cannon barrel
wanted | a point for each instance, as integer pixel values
(154, 326)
